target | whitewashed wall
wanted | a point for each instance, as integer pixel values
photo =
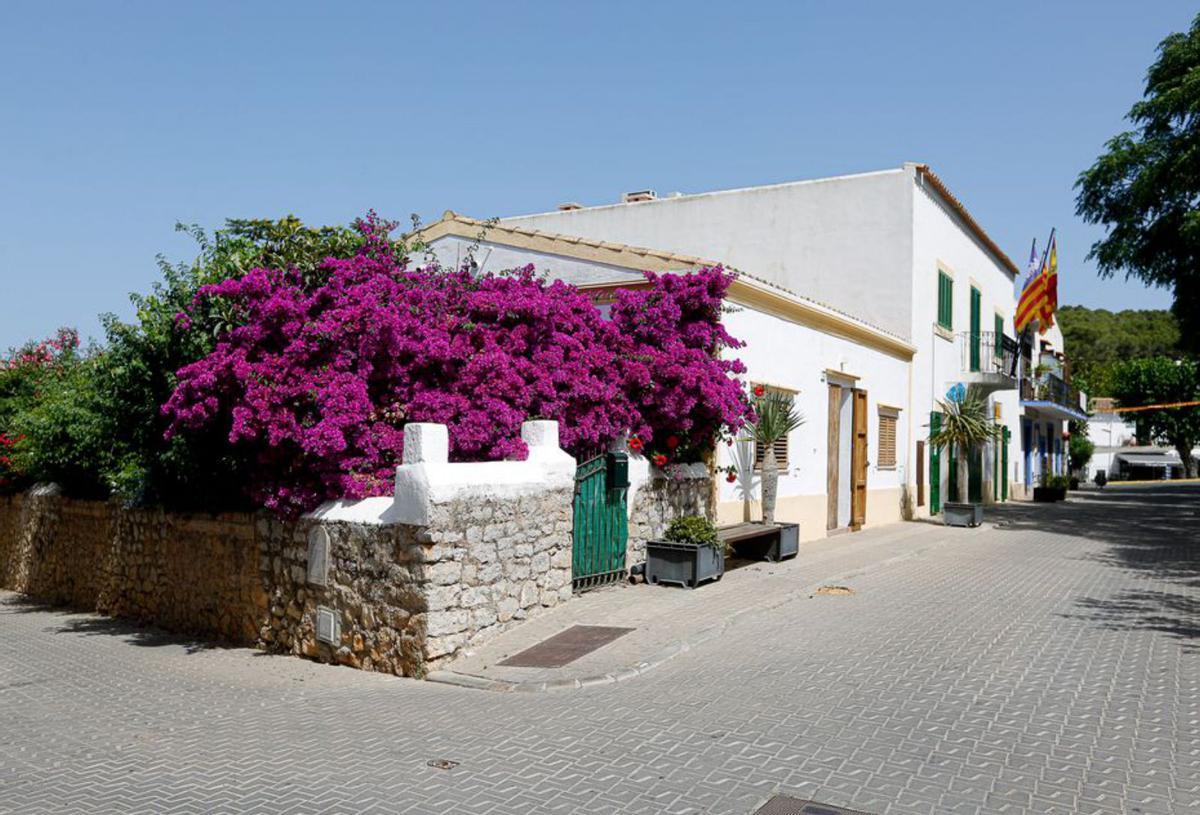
(843, 241)
(940, 238)
(789, 355)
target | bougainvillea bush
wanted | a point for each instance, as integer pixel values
(315, 383)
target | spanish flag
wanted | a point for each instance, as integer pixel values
(1039, 298)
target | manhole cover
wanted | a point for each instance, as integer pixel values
(565, 647)
(783, 805)
(838, 590)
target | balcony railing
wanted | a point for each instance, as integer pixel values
(989, 353)
(1050, 388)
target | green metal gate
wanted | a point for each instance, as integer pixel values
(601, 525)
(935, 467)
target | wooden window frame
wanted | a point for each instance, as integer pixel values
(892, 415)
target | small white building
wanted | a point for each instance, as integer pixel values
(851, 379)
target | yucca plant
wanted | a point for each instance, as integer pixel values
(965, 426)
(777, 416)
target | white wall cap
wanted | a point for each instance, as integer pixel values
(426, 442)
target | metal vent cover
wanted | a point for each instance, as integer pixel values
(329, 629)
(784, 805)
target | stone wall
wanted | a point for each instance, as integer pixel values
(235, 578)
(461, 552)
(659, 497)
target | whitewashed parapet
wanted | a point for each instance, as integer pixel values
(427, 477)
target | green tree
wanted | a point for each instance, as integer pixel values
(1097, 339)
(1145, 187)
(1162, 380)
(1080, 447)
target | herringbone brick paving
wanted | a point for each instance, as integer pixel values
(1050, 666)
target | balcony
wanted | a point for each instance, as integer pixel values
(989, 360)
(1052, 397)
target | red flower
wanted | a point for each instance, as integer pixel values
(672, 442)
(635, 444)
(760, 390)
(659, 460)
(731, 477)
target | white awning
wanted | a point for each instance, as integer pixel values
(1149, 460)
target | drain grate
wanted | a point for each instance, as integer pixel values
(565, 647)
(783, 805)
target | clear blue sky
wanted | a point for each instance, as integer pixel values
(118, 119)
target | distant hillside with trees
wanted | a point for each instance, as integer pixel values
(1097, 339)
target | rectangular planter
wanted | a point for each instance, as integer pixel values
(775, 543)
(1045, 495)
(688, 564)
(956, 514)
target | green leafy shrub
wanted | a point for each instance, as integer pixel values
(694, 529)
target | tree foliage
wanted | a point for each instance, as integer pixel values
(1097, 339)
(966, 424)
(1145, 187)
(1162, 380)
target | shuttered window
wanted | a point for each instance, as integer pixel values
(887, 439)
(999, 338)
(945, 300)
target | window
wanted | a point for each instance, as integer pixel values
(781, 446)
(887, 438)
(945, 313)
(999, 338)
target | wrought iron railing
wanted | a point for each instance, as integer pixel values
(1047, 387)
(988, 352)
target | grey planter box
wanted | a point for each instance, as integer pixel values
(773, 542)
(956, 514)
(688, 564)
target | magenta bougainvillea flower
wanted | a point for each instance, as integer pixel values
(318, 384)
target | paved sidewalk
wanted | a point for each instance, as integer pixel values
(1049, 666)
(669, 620)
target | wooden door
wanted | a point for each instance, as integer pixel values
(858, 462)
(832, 457)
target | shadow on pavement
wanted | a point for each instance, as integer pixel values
(1151, 532)
(89, 623)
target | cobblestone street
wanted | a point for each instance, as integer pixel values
(1048, 662)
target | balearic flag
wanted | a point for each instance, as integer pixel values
(1050, 299)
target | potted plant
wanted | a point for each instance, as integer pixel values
(1052, 488)
(689, 554)
(775, 417)
(965, 426)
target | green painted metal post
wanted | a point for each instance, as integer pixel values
(1004, 464)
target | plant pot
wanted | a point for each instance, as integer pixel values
(1045, 495)
(958, 514)
(776, 542)
(1060, 493)
(688, 564)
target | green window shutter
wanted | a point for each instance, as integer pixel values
(999, 335)
(945, 300)
(976, 307)
(935, 467)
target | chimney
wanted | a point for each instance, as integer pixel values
(567, 206)
(638, 196)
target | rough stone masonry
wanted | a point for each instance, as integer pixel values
(462, 552)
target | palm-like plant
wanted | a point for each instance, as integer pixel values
(965, 426)
(777, 416)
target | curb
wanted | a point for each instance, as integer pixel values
(677, 647)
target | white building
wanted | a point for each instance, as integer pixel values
(793, 343)
(868, 296)
(895, 249)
